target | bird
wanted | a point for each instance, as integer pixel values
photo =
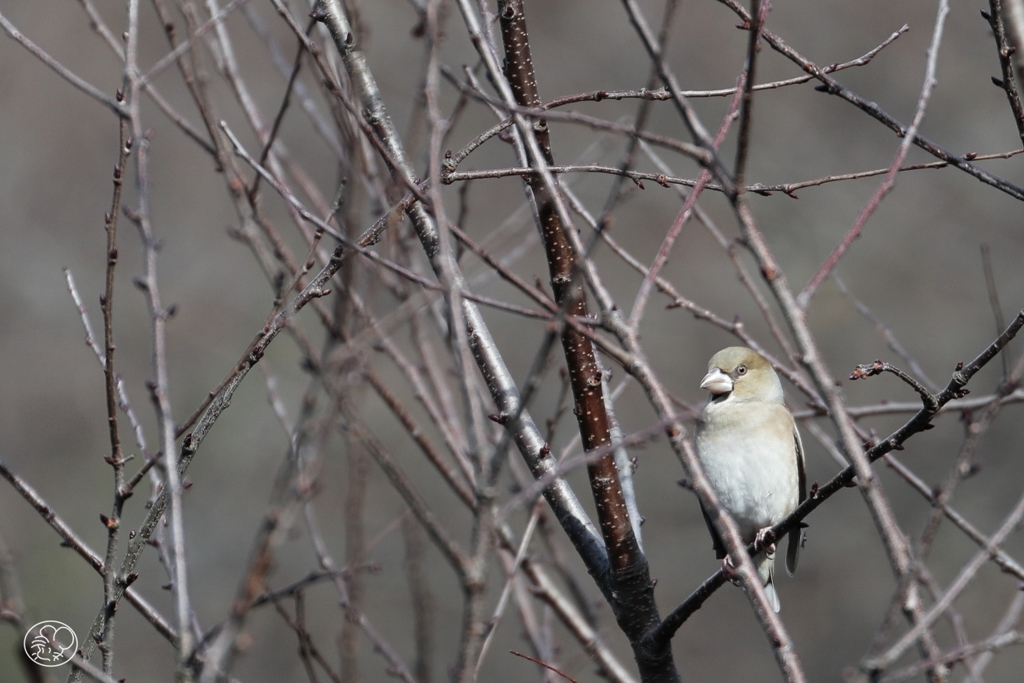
(749, 447)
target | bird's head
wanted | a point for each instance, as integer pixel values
(741, 374)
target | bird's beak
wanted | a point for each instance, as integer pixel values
(717, 382)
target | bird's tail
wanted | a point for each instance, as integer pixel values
(766, 570)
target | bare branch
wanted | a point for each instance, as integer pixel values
(92, 91)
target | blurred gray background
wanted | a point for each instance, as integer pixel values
(917, 266)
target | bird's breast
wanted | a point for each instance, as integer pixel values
(750, 462)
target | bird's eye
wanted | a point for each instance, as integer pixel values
(741, 370)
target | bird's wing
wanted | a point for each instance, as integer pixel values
(716, 540)
(796, 536)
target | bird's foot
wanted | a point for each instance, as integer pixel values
(765, 540)
(729, 571)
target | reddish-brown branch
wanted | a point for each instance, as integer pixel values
(584, 372)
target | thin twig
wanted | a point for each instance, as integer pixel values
(909, 137)
(71, 540)
(92, 91)
(833, 87)
(993, 297)
(1005, 49)
(186, 45)
(966, 575)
